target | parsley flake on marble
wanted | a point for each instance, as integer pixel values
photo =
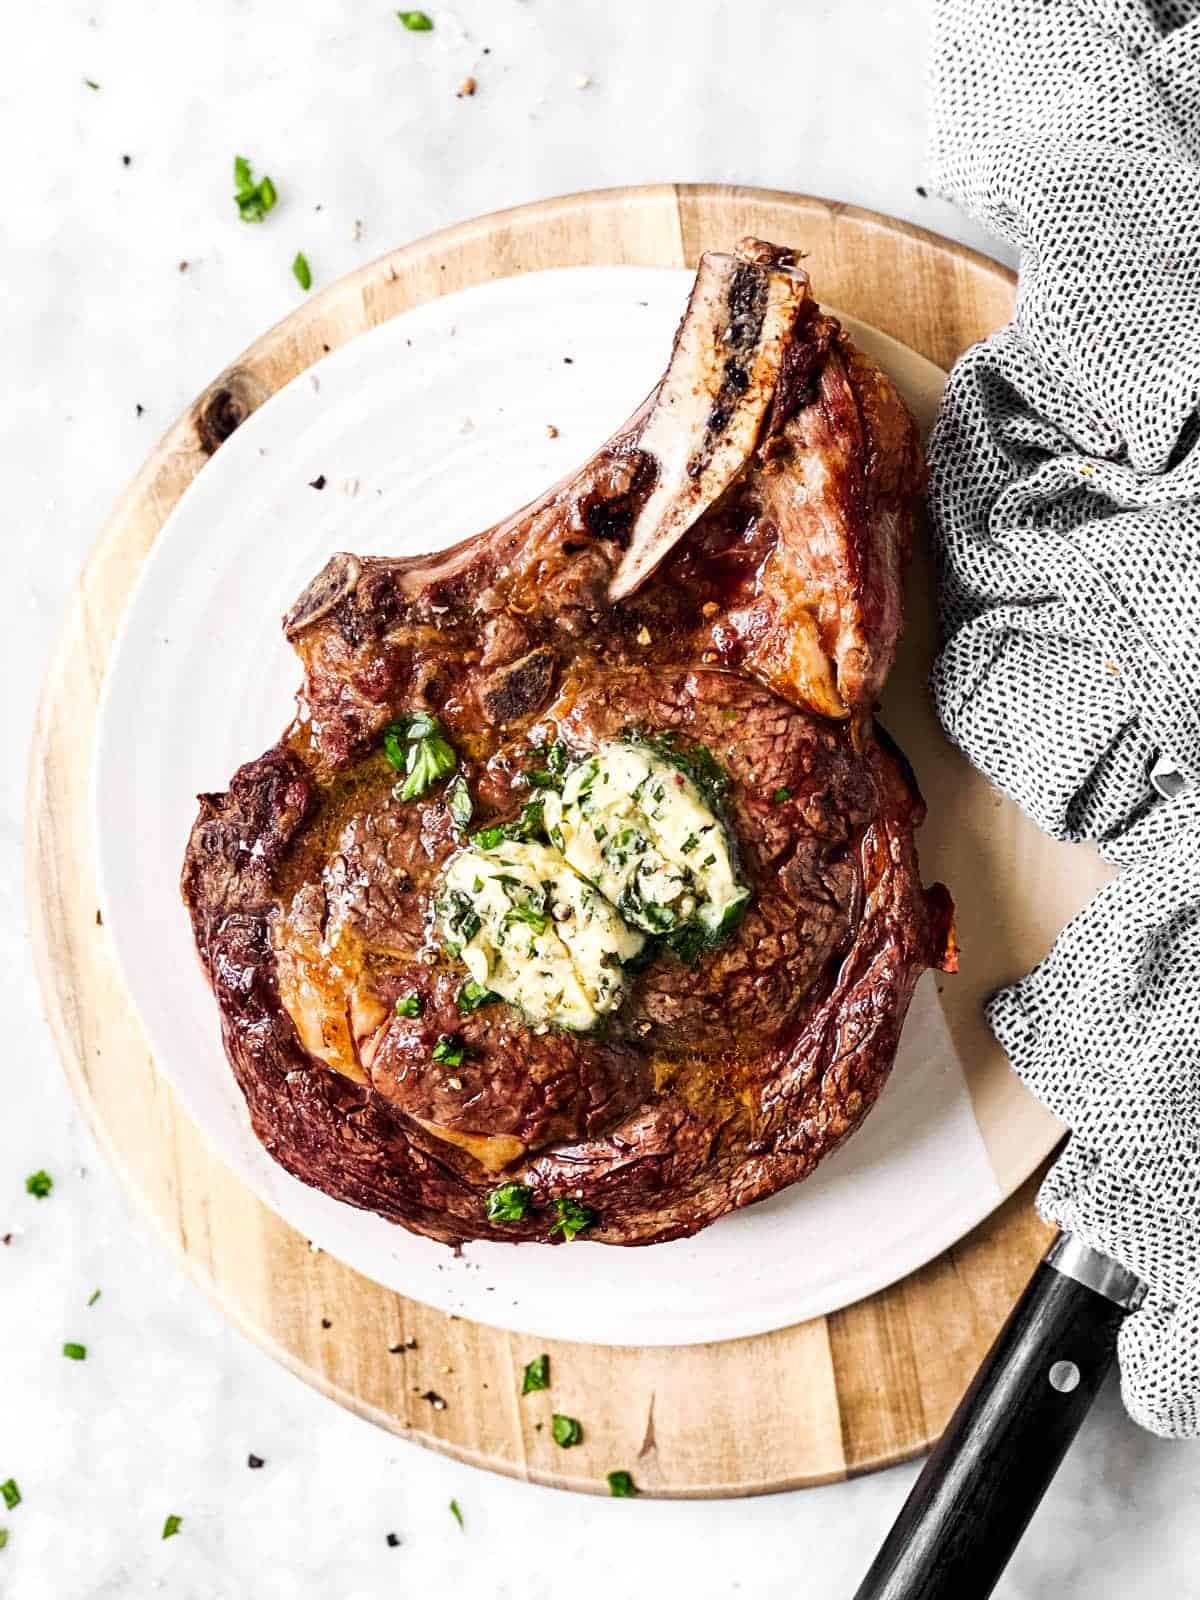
(252, 199)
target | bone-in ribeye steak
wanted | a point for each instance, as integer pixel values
(723, 577)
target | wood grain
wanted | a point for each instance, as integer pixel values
(865, 1387)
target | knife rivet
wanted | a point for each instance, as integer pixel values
(1064, 1376)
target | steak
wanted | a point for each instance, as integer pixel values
(722, 581)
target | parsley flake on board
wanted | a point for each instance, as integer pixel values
(456, 1513)
(93, 1297)
(508, 1203)
(253, 200)
(301, 271)
(409, 1005)
(39, 1184)
(621, 1485)
(573, 1218)
(416, 21)
(537, 1375)
(3, 1537)
(566, 1430)
(11, 1493)
(172, 1526)
(75, 1352)
(417, 746)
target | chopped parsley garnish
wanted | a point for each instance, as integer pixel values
(458, 798)
(3, 1538)
(697, 763)
(75, 1352)
(572, 1217)
(417, 746)
(93, 1297)
(688, 943)
(472, 996)
(527, 825)
(460, 917)
(449, 1050)
(12, 1495)
(39, 1184)
(621, 1485)
(508, 1203)
(91, 83)
(537, 920)
(410, 1005)
(416, 21)
(253, 200)
(550, 775)
(301, 271)
(566, 1431)
(781, 794)
(691, 941)
(537, 1375)
(172, 1526)
(456, 1513)
(645, 913)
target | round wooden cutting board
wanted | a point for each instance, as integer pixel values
(845, 1393)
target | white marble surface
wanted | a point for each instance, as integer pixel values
(352, 115)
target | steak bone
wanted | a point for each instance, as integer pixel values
(708, 412)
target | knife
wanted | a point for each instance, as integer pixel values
(988, 1472)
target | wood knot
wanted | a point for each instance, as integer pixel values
(223, 408)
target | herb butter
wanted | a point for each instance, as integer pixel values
(530, 929)
(636, 825)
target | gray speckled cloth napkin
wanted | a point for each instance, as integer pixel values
(1066, 500)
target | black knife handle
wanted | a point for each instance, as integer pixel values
(991, 1467)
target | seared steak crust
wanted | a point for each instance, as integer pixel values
(761, 635)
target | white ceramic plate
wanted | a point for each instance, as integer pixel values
(425, 429)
